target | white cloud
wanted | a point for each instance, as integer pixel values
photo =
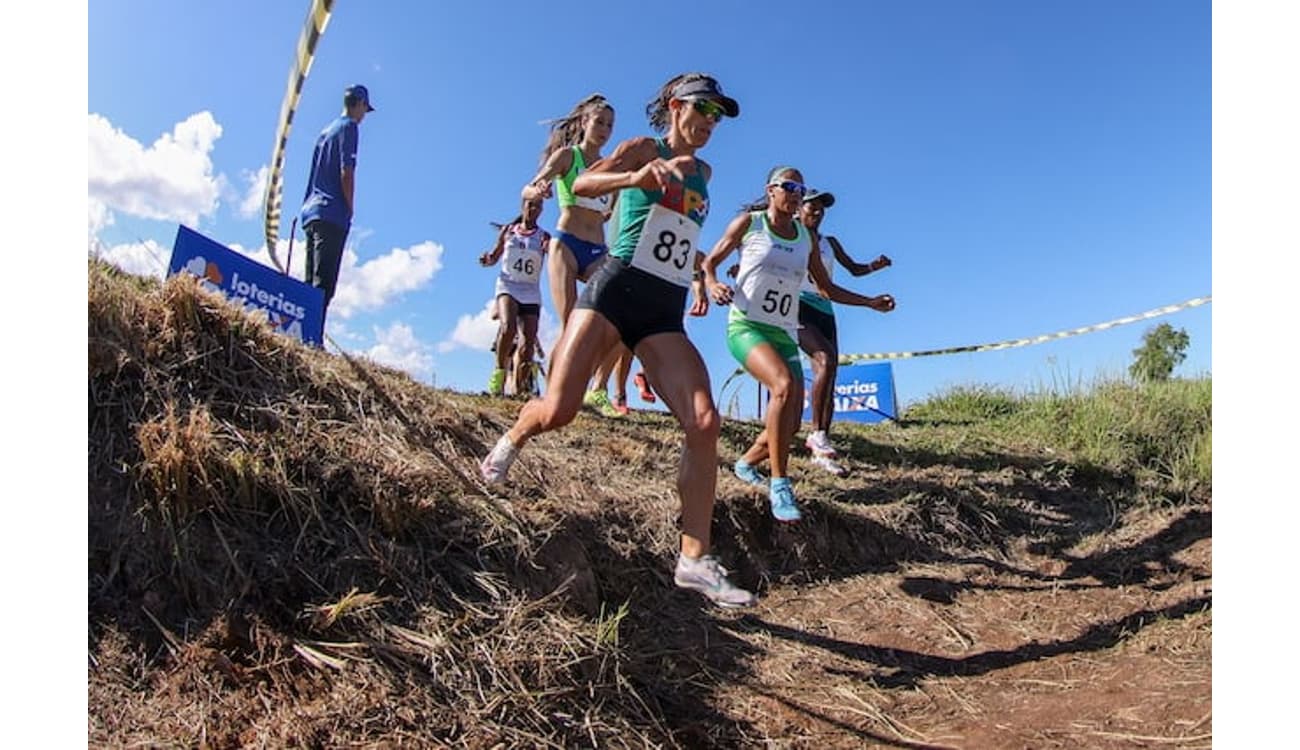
(478, 331)
(250, 205)
(472, 331)
(398, 347)
(171, 180)
(373, 284)
(146, 258)
(98, 218)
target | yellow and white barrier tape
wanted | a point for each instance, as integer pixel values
(848, 359)
(317, 18)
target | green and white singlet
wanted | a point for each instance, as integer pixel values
(772, 271)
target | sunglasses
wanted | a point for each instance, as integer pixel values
(790, 186)
(709, 109)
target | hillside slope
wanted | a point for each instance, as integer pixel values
(292, 548)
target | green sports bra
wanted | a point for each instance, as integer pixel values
(564, 188)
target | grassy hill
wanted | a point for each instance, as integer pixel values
(289, 547)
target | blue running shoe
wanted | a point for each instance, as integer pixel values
(781, 496)
(749, 474)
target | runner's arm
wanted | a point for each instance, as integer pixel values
(634, 164)
(726, 245)
(854, 267)
(837, 293)
(540, 187)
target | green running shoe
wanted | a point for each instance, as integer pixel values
(497, 383)
(599, 400)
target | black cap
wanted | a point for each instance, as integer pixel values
(359, 93)
(707, 88)
(826, 199)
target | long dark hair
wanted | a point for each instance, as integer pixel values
(567, 131)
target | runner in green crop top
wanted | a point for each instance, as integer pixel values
(579, 241)
(632, 300)
(578, 245)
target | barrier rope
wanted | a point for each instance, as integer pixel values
(318, 16)
(848, 359)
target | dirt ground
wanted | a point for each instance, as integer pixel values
(1015, 654)
(286, 549)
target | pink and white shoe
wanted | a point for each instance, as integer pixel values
(497, 462)
(820, 445)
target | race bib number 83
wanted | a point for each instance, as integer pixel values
(666, 247)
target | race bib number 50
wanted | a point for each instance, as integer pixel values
(775, 301)
(666, 247)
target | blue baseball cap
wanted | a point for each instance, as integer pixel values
(359, 93)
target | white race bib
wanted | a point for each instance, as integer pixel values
(601, 203)
(666, 247)
(775, 300)
(522, 264)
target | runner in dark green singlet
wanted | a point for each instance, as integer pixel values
(639, 297)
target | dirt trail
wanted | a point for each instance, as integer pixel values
(287, 548)
(974, 656)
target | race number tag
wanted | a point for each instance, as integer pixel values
(775, 300)
(666, 247)
(601, 203)
(522, 264)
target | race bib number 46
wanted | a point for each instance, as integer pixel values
(666, 247)
(524, 266)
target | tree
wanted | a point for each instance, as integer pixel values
(1163, 348)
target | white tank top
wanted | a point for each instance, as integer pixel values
(772, 270)
(521, 262)
(828, 261)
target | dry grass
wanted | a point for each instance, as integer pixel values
(291, 548)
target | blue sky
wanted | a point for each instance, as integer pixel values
(1029, 167)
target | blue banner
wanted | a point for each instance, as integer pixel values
(290, 306)
(863, 393)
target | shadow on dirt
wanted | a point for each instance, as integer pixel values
(895, 668)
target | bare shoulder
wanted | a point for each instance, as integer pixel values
(628, 155)
(706, 170)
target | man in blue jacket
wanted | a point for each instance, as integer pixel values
(326, 214)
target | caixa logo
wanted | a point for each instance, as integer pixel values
(290, 306)
(857, 396)
(281, 313)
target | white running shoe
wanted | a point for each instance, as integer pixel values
(819, 444)
(828, 463)
(497, 462)
(707, 576)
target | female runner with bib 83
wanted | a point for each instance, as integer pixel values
(639, 297)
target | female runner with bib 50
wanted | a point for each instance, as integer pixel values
(776, 253)
(639, 296)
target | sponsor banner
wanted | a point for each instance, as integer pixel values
(863, 393)
(290, 306)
